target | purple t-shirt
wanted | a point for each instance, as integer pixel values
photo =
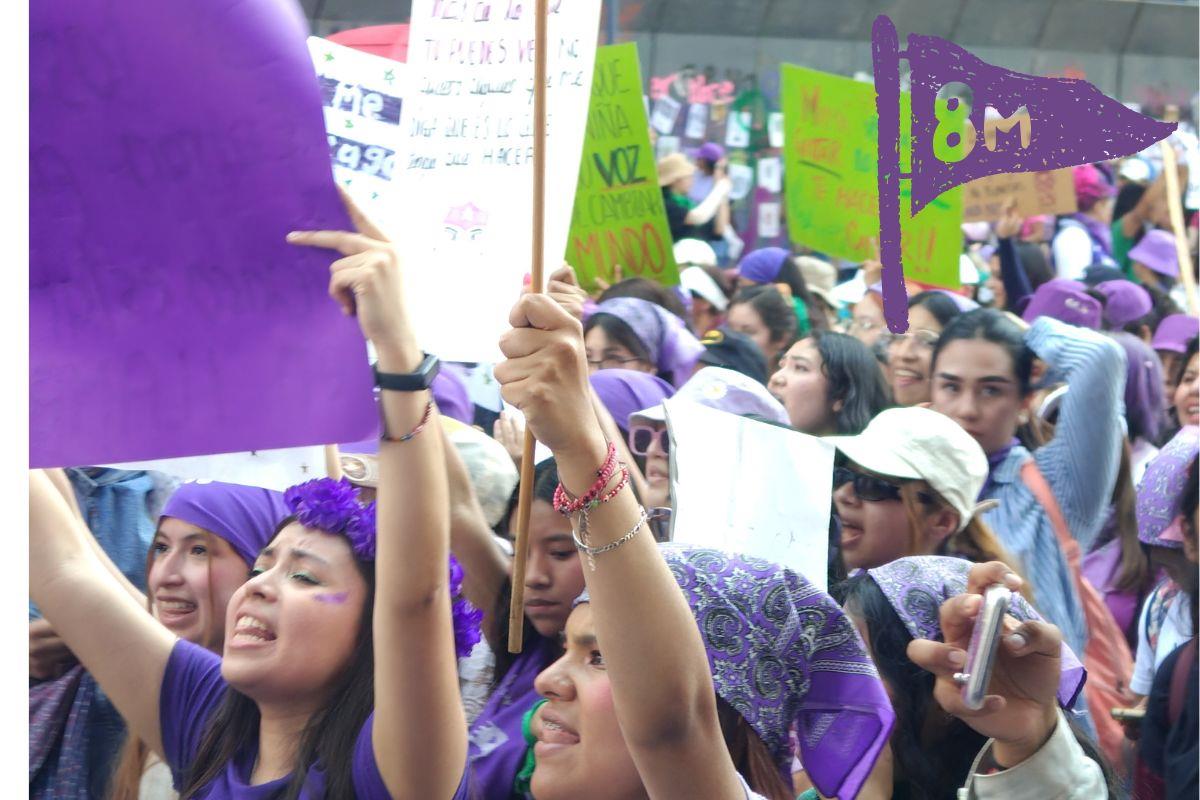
(191, 690)
(496, 748)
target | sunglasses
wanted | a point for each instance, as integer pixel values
(867, 487)
(641, 437)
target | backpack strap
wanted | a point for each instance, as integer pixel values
(1033, 478)
(1179, 681)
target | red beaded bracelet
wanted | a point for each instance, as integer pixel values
(404, 437)
(566, 504)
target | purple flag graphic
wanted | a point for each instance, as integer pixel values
(172, 146)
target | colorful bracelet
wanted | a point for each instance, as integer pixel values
(592, 552)
(411, 434)
(566, 504)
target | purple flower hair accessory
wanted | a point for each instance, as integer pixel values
(333, 507)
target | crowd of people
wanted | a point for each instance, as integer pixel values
(1035, 428)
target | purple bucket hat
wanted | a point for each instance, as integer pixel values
(1156, 251)
(762, 265)
(244, 516)
(1064, 300)
(1174, 333)
(917, 586)
(624, 391)
(783, 654)
(709, 151)
(672, 347)
(1161, 490)
(1125, 302)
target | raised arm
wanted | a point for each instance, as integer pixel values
(420, 733)
(661, 687)
(1081, 461)
(120, 644)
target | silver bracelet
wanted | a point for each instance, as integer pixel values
(592, 552)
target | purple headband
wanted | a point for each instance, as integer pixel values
(763, 265)
(783, 653)
(450, 393)
(1161, 489)
(917, 586)
(624, 391)
(332, 507)
(244, 516)
(672, 347)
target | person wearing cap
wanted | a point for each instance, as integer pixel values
(1085, 237)
(1067, 301)
(710, 163)
(686, 218)
(1127, 307)
(907, 486)
(820, 277)
(1170, 341)
(735, 351)
(830, 383)
(722, 389)
(1156, 263)
(700, 277)
(776, 266)
(909, 353)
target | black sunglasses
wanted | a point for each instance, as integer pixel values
(867, 487)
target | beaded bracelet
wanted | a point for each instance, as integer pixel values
(411, 434)
(592, 552)
(566, 504)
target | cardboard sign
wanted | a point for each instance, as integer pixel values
(1036, 193)
(618, 216)
(830, 157)
(748, 487)
(465, 215)
(172, 148)
(362, 95)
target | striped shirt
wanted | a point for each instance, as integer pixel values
(1080, 464)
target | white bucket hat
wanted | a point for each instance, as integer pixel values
(921, 444)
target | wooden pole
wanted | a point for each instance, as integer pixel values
(1175, 209)
(516, 611)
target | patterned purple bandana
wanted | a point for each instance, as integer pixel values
(783, 653)
(917, 586)
(1161, 490)
(672, 347)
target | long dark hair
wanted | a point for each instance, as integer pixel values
(750, 755)
(776, 312)
(329, 736)
(854, 378)
(644, 289)
(791, 275)
(938, 304)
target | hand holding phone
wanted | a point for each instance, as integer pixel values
(981, 653)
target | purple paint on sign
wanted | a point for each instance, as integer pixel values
(336, 599)
(1064, 123)
(172, 147)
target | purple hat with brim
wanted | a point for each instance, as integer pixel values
(1156, 251)
(1125, 302)
(762, 265)
(1064, 300)
(916, 587)
(450, 392)
(784, 655)
(244, 516)
(709, 151)
(624, 391)
(1160, 492)
(1174, 333)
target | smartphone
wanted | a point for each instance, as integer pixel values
(981, 653)
(1128, 714)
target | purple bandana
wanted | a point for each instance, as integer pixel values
(783, 653)
(1161, 489)
(624, 391)
(762, 265)
(917, 586)
(672, 347)
(244, 516)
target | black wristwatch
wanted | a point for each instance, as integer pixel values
(416, 381)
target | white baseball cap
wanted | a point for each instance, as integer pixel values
(695, 252)
(921, 444)
(696, 280)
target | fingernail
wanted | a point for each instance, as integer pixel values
(528, 279)
(971, 604)
(293, 235)
(1013, 580)
(957, 658)
(1015, 640)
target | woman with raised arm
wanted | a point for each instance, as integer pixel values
(332, 625)
(633, 707)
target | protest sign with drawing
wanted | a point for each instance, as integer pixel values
(362, 95)
(1035, 194)
(618, 216)
(466, 161)
(749, 487)
(832, 200)
(168, 315)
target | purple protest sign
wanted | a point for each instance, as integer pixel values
(172, 147)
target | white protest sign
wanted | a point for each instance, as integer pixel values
(362, 95)
(742, 178)
(737, 129)
(770, 174)
(271, 469)
(665, 112)
(697, 121)
(768, 220)
(466, 161)
(775, 129)
(748, 487)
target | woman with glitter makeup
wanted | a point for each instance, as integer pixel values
(321, 692)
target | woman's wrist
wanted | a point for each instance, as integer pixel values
(578, 461)
(398, 356)
(1008, 753)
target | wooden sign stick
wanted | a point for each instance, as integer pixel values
(1171, 174)
(516, 611)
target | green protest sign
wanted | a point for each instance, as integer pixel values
(830, 156)
(619, 218)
